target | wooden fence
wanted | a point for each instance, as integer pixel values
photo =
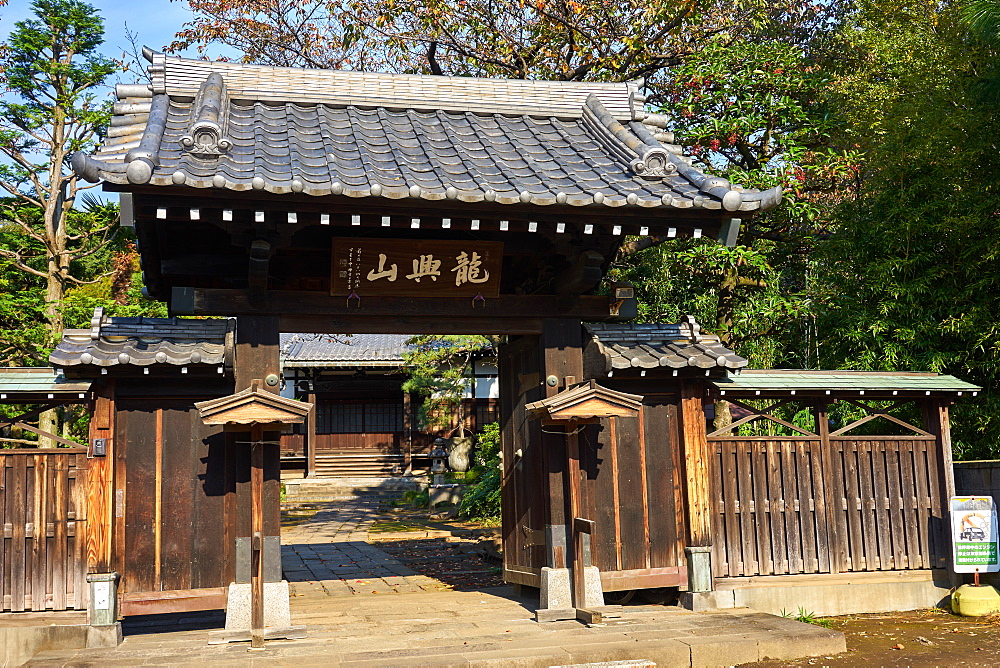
(43, 560)
(791, 505)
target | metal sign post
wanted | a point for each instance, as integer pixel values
(974, 535)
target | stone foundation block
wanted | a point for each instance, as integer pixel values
(276, 610)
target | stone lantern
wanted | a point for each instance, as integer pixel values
(439, 455)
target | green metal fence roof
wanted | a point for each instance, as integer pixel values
(874, 381)
(16, 381)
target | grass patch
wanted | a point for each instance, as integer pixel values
(806, 617)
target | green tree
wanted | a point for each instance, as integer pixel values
(757, 113)
(910, 275)
(440, 371)
(51, 70)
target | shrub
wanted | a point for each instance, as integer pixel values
(482, 498)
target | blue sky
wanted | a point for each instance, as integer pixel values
(154, 21)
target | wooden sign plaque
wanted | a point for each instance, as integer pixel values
(415, 268)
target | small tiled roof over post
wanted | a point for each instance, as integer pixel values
(629, 348)
(145, 342)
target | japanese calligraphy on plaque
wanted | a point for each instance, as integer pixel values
(416, 268)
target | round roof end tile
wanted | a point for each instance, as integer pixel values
(139, 172)
(525, 196)
(415, 191)
(598, 198)
(257, 183)
(337, 188)
(632, 199)
(161, 357)
(219, 181)
(561, 198)
(86, 358)
(732, 200)
(451, 192)
(178, 177)
(376, 189)
(195, 357)
(490, 195)
(123, 358)
(297, 186)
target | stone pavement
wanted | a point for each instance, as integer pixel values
(331, 562)
(329, 554)
(474, 628)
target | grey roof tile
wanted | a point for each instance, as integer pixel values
(145, 342)
(649, 346)
(347, 351)
(39, 380)
(307, 130)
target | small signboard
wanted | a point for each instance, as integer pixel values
(974, 534)
(416, 268)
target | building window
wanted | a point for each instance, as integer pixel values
(358, 418)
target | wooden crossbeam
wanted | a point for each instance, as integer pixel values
(45, 434)
(31, 415)
(877, 413)
(757, 414)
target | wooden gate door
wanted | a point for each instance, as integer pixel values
(171, 482)
(633, 489)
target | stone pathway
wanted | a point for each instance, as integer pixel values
(483, 628)
(329, 554)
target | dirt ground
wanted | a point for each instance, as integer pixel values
(918, 639)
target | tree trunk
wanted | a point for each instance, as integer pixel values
(726, 309)
(723, 414)
(48, 421)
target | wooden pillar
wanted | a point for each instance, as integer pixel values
(574, 471)
(257, 357)
(833, 487)
(562, 359)
(938, 422)
(100, 482)
(257, 537)
(257, 351)
(697, 465)
(310, 444)
(407, 430)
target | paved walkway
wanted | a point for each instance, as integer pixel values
(329, 554)
(477, 628)
(332, 568)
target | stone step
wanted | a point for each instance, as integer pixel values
(349, 487)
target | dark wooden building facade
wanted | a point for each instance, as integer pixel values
(365, 424)
(354, 203)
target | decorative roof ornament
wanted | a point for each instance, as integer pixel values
(205, 138)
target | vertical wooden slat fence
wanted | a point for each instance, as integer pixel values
(43, 561)
(796, 505)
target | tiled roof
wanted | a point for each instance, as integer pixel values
(873, 381)
(243, 128)
(145, 341)
(16, 381)
(342, 350)
(674, 346)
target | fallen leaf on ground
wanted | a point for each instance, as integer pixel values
(898, 645)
